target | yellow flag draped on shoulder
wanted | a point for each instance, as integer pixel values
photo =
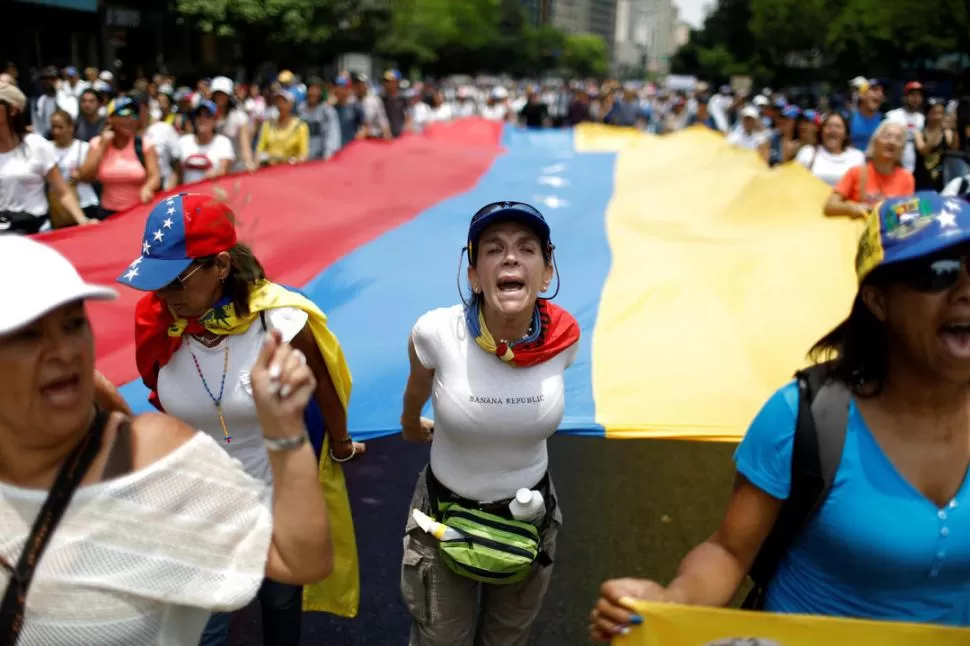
(340, 592)
(678, 625)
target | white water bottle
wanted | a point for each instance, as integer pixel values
(528, 506)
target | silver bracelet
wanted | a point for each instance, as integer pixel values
(353, 454)
(285, 443)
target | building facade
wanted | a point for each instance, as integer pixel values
(646, 36)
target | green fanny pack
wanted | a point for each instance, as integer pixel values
(492, 549)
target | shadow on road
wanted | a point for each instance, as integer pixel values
(631, 508)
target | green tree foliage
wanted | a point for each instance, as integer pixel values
(789, 40)
(586, 55)
(437, 36)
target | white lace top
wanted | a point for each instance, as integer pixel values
(144, 559)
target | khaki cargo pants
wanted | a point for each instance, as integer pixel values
(450, 610)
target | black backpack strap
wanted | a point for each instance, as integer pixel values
(140, 150)
(823, 414)
(72, 472)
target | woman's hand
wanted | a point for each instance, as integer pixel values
(147, 194)
(107, 397)
(343, 450)
(613, 614)
(282, 387)
(424, 429)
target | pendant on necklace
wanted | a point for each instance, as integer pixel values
(222, 422)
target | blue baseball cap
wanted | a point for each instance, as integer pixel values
(180, 229)
(205, 104)
(906, 228)
(505, 212)
(791, 112)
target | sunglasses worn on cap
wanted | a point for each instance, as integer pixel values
(488, 209)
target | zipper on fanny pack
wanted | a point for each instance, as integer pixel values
(495, 545)
(511, 529)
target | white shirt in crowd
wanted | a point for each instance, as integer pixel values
(491, 420)
(913, 122)
(166, 141)
(182, 394)
(230, 127)
(828, 167)
(23, 176)
(422, 114)
(495, 112)
(752, 141)
(70, 159)
(198, 159)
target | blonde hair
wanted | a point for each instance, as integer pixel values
(886, 125)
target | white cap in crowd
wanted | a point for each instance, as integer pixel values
(750, 111)
(52, 281)
(221, 84)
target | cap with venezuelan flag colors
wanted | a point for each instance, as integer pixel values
(180, 229)
(905, 228)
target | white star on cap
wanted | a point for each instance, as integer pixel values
(947, 219)
(131, 274)
(158, 235)
(136, 263)
(171, 211)
(145, 248)
(167, 223)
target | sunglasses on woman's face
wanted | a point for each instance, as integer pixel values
(934, 275)
(180, 281)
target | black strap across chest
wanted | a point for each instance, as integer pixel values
(68, 479)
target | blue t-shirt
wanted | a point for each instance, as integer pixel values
(863, 128)
(878, 548)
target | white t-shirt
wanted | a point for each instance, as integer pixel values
(491, 419)
(828, 167)
(68, 160)
(23, 176)
(165, 139)
(182, 394)
(753, 141)
(913, 122)
(497, 112)
(197, 160)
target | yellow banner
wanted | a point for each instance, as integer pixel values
(677, 625)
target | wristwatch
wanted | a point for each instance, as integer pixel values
(285, 443)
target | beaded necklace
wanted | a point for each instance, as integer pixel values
(222, 387)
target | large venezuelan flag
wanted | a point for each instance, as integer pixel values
(699, 277)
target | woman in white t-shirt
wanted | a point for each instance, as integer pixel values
(233, 122)
(27, 165)
(494, 368)
(204, 154)
(69, 154)
(831, 159)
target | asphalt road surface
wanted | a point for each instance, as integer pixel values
(631, 508)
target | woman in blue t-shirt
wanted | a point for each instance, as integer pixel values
(890, 540)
